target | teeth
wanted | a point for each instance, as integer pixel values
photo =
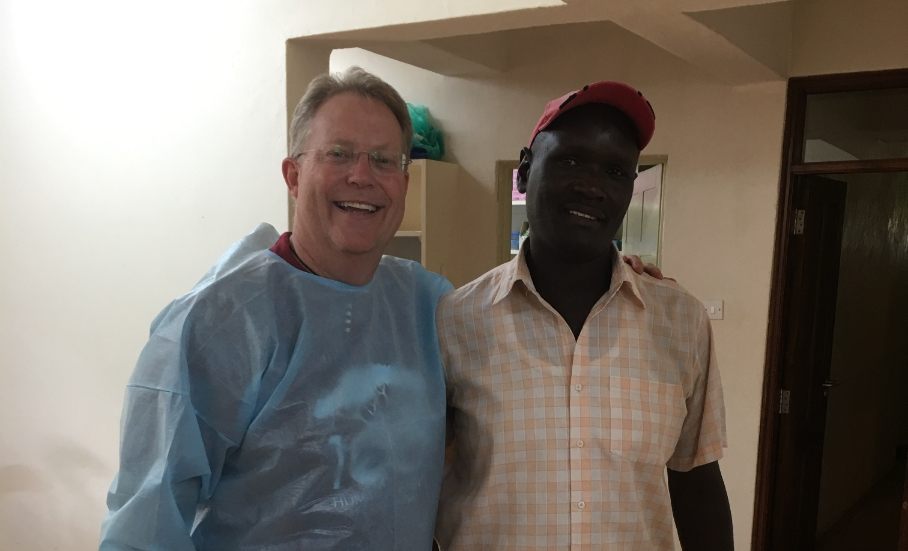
(358, 206)
(582, 215)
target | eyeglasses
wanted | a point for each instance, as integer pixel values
(381, 162)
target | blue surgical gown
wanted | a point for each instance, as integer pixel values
(274, 409)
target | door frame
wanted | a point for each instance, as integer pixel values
(792, 165)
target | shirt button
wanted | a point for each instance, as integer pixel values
(578, 387)
(580, 443)
(581, 505)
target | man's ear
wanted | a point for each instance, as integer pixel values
(523, 169)
(291, 172)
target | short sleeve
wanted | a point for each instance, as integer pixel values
(703, 432)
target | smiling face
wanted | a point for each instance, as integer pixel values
(579, 178)
(346, 215)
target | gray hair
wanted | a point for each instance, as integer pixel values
(355, 80)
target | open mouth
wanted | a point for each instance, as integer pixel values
(356, 206)
(582, 215)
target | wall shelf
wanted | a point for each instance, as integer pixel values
(428, 231)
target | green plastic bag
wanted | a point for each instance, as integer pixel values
(428, 142)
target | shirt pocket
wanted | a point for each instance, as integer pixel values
(645, 419)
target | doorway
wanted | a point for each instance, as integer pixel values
(641, 230)
(834, 425)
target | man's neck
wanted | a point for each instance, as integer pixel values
(350, 269)
(572, 288)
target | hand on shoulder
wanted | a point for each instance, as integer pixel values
(641, 267)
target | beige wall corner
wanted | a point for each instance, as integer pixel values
(840, 36)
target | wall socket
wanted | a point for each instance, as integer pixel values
(715, 309)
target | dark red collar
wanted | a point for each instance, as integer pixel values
(284, 249)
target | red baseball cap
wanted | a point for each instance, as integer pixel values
(617, 94)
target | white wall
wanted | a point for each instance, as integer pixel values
(137, 140)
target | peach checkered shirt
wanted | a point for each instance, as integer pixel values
(563, 444)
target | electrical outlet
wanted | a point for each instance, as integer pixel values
(715, 309)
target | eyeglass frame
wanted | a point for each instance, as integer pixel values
(405, 161)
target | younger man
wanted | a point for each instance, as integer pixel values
(573, 382)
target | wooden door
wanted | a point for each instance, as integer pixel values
(903, 519)
(808, 322)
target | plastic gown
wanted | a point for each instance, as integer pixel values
(274, 409)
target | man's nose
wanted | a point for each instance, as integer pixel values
(361, 170)
(590, 189)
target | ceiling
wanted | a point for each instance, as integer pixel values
(735, 41)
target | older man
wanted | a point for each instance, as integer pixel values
(574, 382)
(294, 399)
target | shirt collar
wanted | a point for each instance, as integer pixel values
(512, 272)
(516, 271)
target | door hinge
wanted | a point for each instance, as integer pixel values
(784, 401)
(800, 214)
